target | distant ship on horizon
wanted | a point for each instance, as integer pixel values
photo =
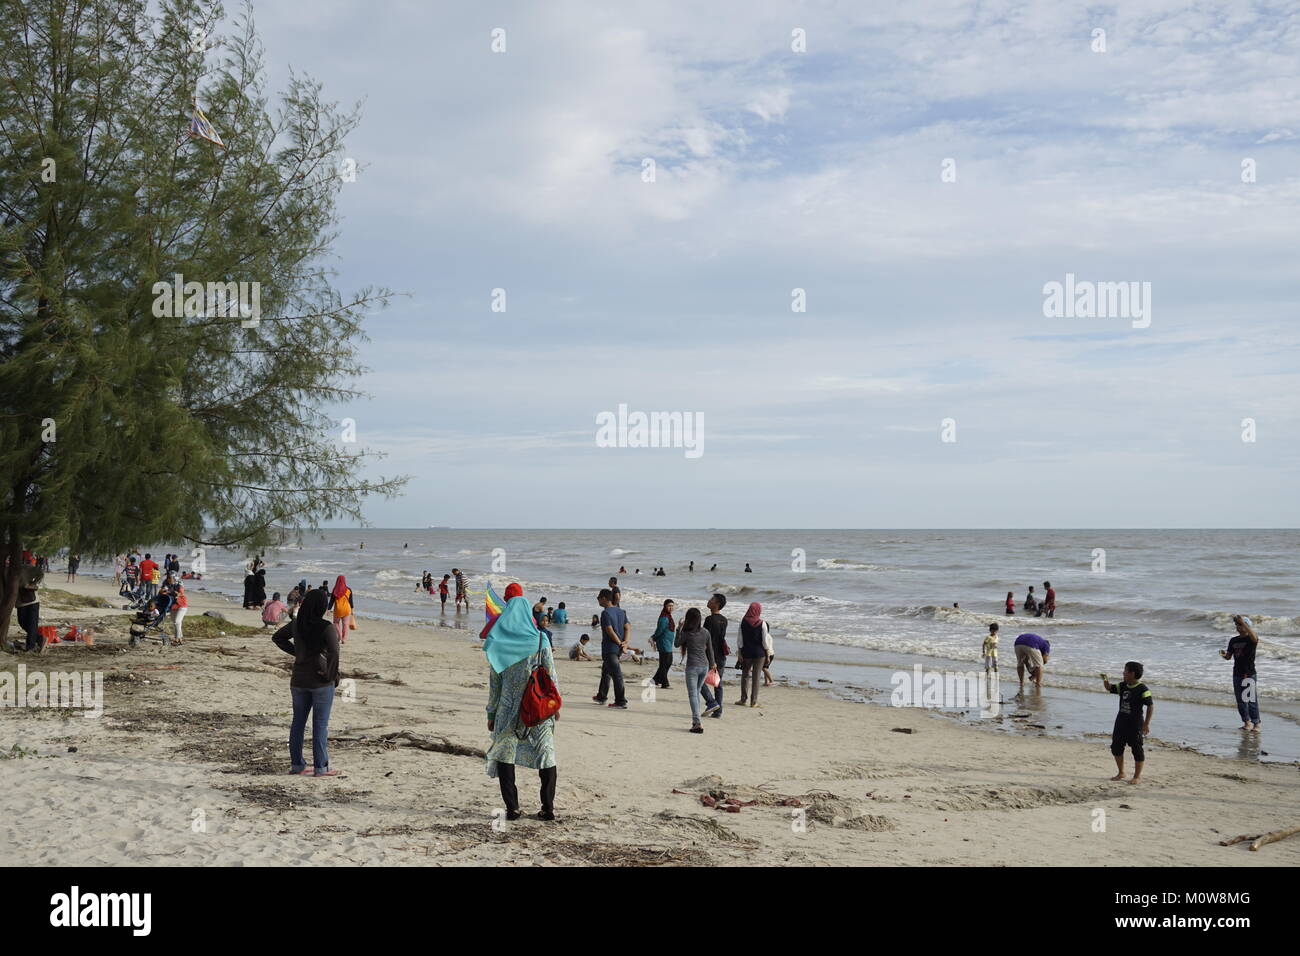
(439, 527)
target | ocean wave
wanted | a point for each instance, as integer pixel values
(619, 552)
(956, 615)
(396, 575)
(843, 564)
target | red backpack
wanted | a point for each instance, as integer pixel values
(541, 698)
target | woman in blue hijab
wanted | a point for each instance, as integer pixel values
(513, 647)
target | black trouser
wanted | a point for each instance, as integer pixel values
(611, 670)
(665, 663)
(29, 619)
(1127, 733)
(506, 774)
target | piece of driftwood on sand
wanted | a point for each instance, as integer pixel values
(1259, 840)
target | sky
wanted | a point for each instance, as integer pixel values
(821, 170)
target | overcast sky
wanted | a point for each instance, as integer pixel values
(821, 170)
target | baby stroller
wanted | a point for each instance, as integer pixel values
(148, 623)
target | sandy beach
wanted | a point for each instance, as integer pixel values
(188, 766)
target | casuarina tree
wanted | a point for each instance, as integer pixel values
(171, 337)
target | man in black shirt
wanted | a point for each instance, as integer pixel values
(1241, 651)
(1129, 725)
(716, 625)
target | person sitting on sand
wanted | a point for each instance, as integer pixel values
(633, 655)
(274, 610)
(510, 647)
(578, 652)
(1032, 652)
(314, 644)
(1130, 728)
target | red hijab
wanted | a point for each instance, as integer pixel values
(753, 615)
(664, 612)
(340, 587)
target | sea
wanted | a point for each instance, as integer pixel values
(852, 610)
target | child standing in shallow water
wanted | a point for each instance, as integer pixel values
(990, 650)
(1129, 725)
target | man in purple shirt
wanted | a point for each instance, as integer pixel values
(1032, 652)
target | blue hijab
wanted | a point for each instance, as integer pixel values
(513, 636)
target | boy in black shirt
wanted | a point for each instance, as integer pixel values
(716, 625)
(1241, 651)
(1129, 725)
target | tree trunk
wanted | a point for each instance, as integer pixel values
(9, 571)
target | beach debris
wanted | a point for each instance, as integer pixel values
(217, 614)
(706, 826)
(437, 743)
(1262, 839)
(903, 730)
(367, 675)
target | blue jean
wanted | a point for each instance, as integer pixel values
(713, 695)
(694, 683)
(318, 704)
(1246, 690)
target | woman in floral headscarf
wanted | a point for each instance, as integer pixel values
(512, 647)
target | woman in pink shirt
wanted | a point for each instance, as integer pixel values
(273, 611)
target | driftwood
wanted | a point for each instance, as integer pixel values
(438, 744)
(1258, 840)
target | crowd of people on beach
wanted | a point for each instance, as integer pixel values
(313, 623)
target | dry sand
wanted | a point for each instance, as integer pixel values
(188, 766)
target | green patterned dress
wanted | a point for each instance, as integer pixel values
(536, 749)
